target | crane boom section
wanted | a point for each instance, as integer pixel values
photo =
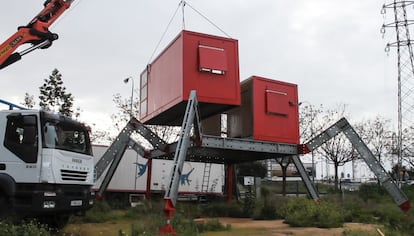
(36, 32)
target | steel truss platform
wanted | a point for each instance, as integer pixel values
(220, 150)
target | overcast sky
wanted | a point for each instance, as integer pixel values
(332, 49)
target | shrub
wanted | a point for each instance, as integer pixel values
(299, 212)
(189, 227)
(212, 225)
(99, 213)
(372, 191)
(392, 217)
(265, 210)
(394, 232)
(356, 209)
(248, 205)
(302, 212)
(329, 215)
(266, 213)
(189, 210)
(223, 209)
(148, 207)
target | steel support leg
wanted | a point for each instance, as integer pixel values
(384, 178)
(230, 173)
(306, 180)
(149, 179)
(191, 119)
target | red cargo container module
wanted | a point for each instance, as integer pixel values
(269, 112)
(192, 61)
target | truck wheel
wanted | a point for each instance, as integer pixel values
(58, 221)
(5, 207)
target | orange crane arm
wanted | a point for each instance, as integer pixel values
(35, 33)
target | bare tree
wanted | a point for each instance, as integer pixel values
(308, 120)
(126, 111)
(100, 136)
(284, 162)
(377, 134)
(337, 150)
(167, 133)
(309, 127)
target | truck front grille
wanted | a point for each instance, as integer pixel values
(73, 175)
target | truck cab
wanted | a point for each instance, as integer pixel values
(46, 166)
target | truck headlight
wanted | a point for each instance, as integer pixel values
(49, 204)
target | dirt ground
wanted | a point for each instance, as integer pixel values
(278, 228)
(239, 227)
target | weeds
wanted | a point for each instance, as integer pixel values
(24, 229)
(100, 212)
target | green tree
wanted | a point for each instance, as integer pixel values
(54, 97)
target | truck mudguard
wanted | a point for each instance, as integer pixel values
(7, 184)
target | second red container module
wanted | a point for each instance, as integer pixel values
(269, 111)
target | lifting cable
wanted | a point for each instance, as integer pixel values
(183, 4)
(182, 12)
(208, 20)
(165, 31)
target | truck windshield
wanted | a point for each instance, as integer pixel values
(66, 136)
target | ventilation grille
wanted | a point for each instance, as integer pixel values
(72, 175)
